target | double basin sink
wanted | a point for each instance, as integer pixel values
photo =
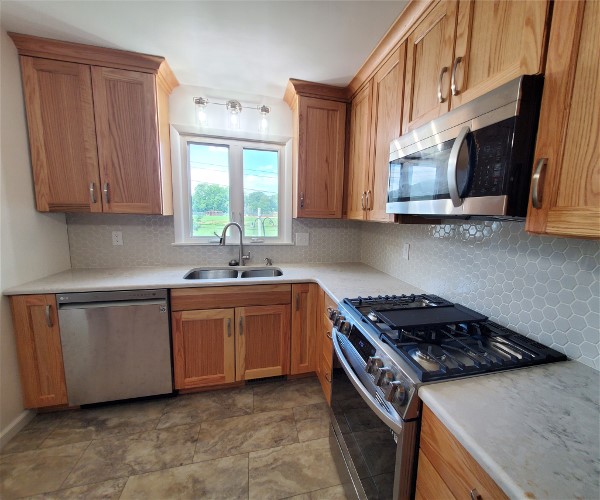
(225, 273)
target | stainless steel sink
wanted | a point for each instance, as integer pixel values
(210, 274)
(224, 273)
(267, 272)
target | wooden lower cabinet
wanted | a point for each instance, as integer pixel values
(325, 345)
(305, 297)
(262, 341)
(446, 469)
(39, 350)
(203, 348)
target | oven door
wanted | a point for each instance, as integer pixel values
(377, 452)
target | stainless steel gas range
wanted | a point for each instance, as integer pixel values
(385, 348)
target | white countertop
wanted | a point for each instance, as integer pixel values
(535, 431)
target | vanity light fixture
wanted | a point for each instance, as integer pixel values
(234, 109)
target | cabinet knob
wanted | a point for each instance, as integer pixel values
(301, 200)
(297, 301)
(93, 192)
(368, 203)
(241, 326)
(536, 194)
(440, 97)
(455, 90)
(106, 193)
(362, 200)
(49, 315)
(475, 494)
(229, 327)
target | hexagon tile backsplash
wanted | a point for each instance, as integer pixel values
(543, 287)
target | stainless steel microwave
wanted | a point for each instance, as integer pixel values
(474, 161)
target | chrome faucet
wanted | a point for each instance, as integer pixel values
(242, 257)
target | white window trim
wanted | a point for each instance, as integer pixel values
(180, 137)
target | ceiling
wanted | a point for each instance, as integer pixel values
(245, 46)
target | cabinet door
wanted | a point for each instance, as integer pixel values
(203, 348)
(359, 158)
(62, 135)
(305, 297)
(319, 172)
(496, 41)
(127, 134)
(429, 54)
(35, 321)
(262, 341)
(385, 124)
(568, 144)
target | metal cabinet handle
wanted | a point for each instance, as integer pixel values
(329, 336)
(455, 90)
(49, 315)
(241, 326)
(362, 200)
(368, 203)
(297, 302)
(229, 327)
(106, 195)
(327, 377)
(475, 495)
(452, 166)
(536, 194)
(301, 200)
(440, 97)
(93, 192)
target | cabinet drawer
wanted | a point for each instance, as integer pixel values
(455, 465)
(183, 299)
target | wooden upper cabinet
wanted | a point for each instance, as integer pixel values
(98, 127)
(385, 126)
(305, 299)
(203, 348)
(62, 135)
(429, 55)
(262, 341)
(496, 41)
(568, 143)
(128, 148)
(39, 350)
(359, 155)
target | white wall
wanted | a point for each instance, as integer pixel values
(32, 244)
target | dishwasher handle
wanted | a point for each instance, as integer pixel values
(114, 303)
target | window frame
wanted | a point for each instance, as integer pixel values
(182, 187)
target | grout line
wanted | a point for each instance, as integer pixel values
(75, 464)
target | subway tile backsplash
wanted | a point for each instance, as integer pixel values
(543, 287)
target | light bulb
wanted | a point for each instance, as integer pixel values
(201, 116)
(263, 125)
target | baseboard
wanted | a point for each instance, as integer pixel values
(15, 426)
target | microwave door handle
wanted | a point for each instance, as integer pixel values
(453, 166)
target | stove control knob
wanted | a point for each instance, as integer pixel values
(374, 363)
(384, 377)
(397, 393)
(332, 313)
(339, 319)
(345, 328)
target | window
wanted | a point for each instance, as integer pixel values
(231, 180)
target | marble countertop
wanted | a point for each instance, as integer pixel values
(338, 280)
(535, 431)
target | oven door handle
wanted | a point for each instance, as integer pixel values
(370, 400)
(453, 167)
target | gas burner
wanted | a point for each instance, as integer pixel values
(372, 316)
(429, 352)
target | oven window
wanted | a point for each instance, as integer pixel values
(421, 176)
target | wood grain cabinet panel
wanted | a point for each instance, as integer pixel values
(128, 148)
(203, 348)
(35, 320)
(304, 328)
(262, 341)
(62, 135)
(429, 54)
(462, 475)
(496, 41)
(568, 142)
(319, 137)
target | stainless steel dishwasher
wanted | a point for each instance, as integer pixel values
(116, 345)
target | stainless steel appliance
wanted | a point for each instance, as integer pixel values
(116, 345)
(386, 347)
(475, 160)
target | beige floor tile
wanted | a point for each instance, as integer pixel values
(102, 422)
(292, 470)
(278, 395)
(106, 490)
(338, 492)
(224, 478)
(204, 406)
(312, 421)
(118, 456)
(236, 435)
(37, 471)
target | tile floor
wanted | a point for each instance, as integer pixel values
(263, 441)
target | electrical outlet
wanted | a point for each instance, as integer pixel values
(406, 251)
(302, 239)
(117, 238)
